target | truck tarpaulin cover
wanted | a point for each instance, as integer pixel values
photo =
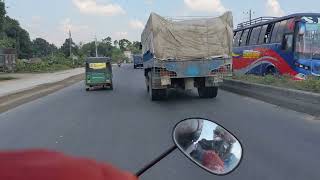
(188, 39)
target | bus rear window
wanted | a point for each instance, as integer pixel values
(265, 34)
(236, 38)
(254, 35)
(243, 40)
(275, 32)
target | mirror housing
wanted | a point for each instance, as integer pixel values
(208, 145)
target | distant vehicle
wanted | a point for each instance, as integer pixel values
(179, 57)
(137, 61)
(98, 73)
(285, 45)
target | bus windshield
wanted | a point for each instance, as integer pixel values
(308, 38)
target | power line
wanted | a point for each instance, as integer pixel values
(250, 14)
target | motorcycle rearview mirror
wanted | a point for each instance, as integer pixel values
(205, 143)
(208, 145)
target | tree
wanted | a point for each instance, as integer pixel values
(135, 47)
(65, 48)
(116, 43)
(88, 49)
(107, 41)
(41, 48)
(18, 38)
(124, 44)
(2, 18)
(24, 44)
(117, 55)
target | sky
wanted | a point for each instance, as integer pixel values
(52, 19)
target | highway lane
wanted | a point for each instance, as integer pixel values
(125, 128)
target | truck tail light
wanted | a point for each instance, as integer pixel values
(164, 72)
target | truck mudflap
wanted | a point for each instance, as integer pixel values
(213, 81)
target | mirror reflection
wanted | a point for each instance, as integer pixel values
(208, 145)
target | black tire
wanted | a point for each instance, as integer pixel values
(208, 92)
(152, 92)
(134, 67)
(271, 71)
(156, 94)
(87, 89)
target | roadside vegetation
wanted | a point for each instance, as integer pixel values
(53, 63)
(51, 58)
(311, 84)
(6, 78)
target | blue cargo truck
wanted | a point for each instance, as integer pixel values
(186, 54)
(137, 61)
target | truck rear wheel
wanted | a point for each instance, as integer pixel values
(156, 94)
(208, 92)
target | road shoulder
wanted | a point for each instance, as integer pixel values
(10, 101)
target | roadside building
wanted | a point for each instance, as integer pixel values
(8, 60)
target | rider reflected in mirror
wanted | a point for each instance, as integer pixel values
(216, 154)
(208, 145)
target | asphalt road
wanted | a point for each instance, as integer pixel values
(125, 128)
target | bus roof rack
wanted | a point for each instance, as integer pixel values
(255, 21)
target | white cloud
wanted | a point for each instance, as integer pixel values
(149, 2)
(93, 8)
(120, 35)
(274, 8)
(136, 24)
(205, 5)
(66, 26)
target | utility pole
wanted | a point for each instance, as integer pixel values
(70, 47)
(250, 13)
(96, 43)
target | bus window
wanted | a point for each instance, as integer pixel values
(290, 26)
(255, 35)
(287, 43)
(274, 35)
(263, 34)
(243, 39)
(281, 31)
(237, 38)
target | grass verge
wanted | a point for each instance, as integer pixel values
(6, 78)
(311, 84)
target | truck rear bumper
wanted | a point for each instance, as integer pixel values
(185, 83)
(192, 68)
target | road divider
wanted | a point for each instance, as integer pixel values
(10, 101)
(297, 100)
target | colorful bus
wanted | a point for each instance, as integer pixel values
(285, 45)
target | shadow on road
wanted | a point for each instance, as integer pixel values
(182, 95)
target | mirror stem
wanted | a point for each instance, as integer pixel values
(155, 161)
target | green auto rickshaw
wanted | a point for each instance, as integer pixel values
(98, 73)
